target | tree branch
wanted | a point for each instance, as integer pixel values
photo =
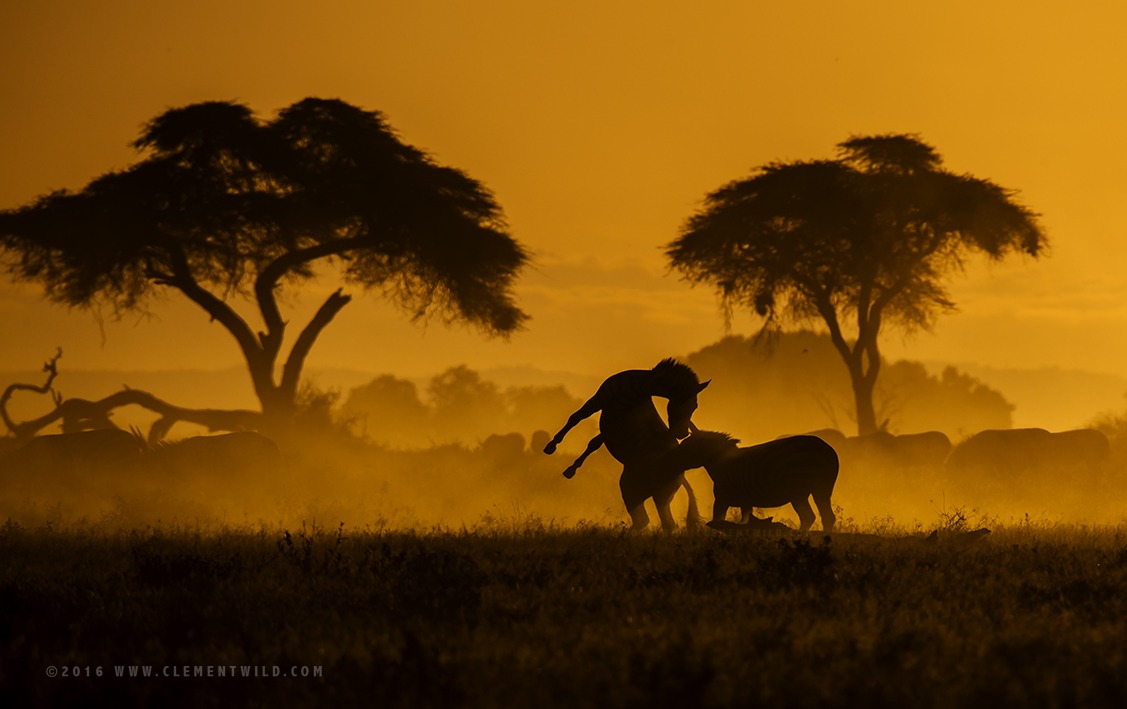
(77, 415)
(223, 313)
(864, 299)
(291, 372)
(887, 294)
(267, 282)
(260, 365)
(52, 370)
(829, 315)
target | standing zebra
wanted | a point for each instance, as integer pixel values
(772, 474)
(633, 432)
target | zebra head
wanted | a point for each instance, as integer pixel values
(704, 448)
(680, 410)
(680, 385)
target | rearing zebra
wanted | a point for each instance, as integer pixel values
(633, 432)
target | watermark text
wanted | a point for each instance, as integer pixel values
(182, 671)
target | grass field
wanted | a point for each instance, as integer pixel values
(523, 613)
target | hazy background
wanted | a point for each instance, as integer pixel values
(600, 126)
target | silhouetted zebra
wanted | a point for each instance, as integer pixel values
(633, 432)
(773, 474)
(84, 450)
(670, 380)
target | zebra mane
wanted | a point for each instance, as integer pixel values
(715, 437)
(140, 437)
(703, 448)
(677, 374)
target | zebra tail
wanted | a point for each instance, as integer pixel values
(692, 519)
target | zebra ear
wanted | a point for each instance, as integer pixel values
(703, 386)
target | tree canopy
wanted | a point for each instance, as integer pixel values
(226, 207)
(857, 242)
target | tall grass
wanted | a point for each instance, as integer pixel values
(525, 612)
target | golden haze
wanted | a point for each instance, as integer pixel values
(600, 127)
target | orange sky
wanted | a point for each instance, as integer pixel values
(600, 126)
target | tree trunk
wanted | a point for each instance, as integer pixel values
(863, 388)
(278, 406)
(863, 380)
(278, 395)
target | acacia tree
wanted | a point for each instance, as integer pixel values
(859, 242)
(227, 210)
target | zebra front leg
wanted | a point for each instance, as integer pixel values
(635, 491)
(663, 499)
(720, 511)
(592, 407)
(592, 445)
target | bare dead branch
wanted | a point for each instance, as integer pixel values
(83, 414)
(52, 370)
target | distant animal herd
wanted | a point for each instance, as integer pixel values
(60, 459)
(654, 453)
(791, 469)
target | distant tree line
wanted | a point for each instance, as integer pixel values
(795, 382)
(789, 383)
(456, 406)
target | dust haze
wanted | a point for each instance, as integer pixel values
(463, 449)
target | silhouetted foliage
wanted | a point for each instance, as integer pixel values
(389, 409)
(540, 405)
(870, 236)
(459, 405)
(795, 383)
(227, 204)
(911, 400)
(1114, 426)
(463, 401)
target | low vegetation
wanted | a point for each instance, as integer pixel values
(479, 576)
(524, 612)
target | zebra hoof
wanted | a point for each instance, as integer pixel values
(550, 448)
(569, 473)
